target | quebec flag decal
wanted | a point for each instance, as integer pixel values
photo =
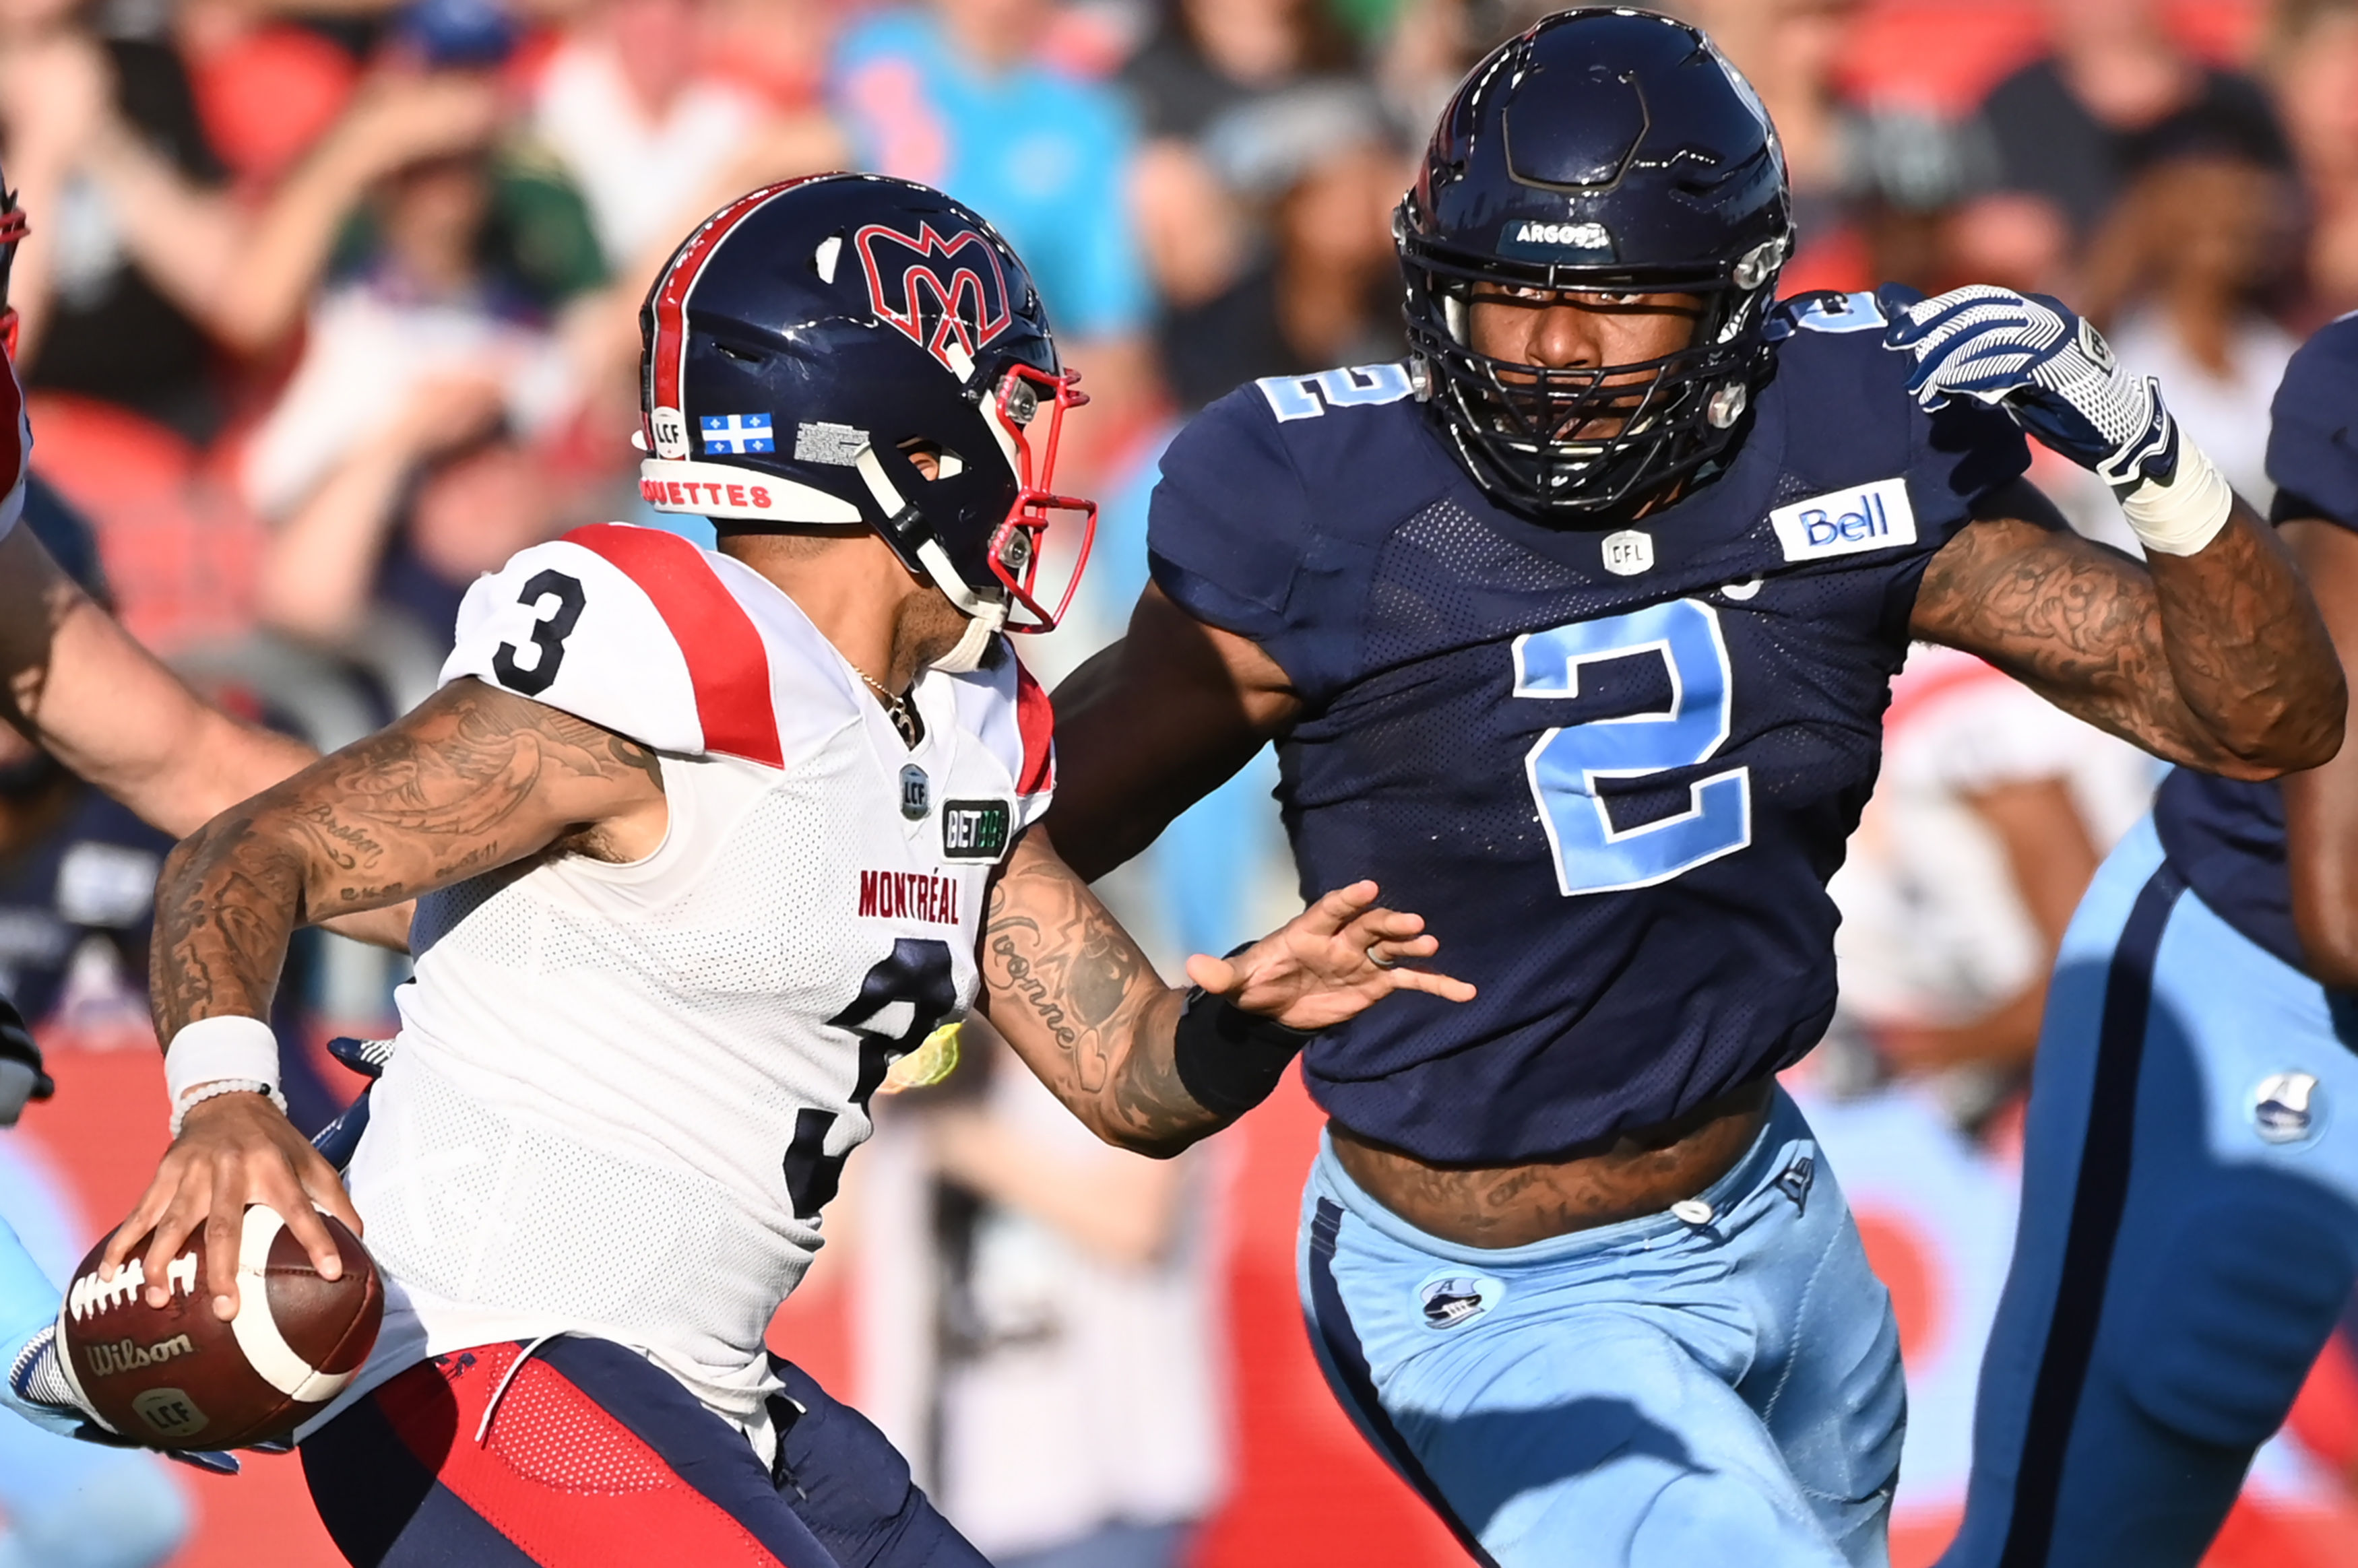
(737, 433)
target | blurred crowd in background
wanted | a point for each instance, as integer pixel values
(332, 305)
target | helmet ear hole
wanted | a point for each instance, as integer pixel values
(933, 460)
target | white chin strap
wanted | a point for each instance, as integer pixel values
(985, 615)
(972, 647)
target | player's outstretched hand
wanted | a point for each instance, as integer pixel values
(234, 1149)
(1329, 963)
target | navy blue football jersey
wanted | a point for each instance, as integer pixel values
(1613, 767)
(2227, 835)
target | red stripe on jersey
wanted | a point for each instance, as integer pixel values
(563, 1480)
(725, 659)
(1036, 720)
(667, 366)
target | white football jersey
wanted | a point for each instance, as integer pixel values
(622, 1094)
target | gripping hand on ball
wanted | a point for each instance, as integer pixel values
(2053, 371)
(234, 1149)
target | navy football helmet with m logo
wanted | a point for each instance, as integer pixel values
(1604, 152)
(811, 339)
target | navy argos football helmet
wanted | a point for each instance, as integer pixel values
(1608, 151)
(810, 337)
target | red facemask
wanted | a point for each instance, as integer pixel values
(1033, 567)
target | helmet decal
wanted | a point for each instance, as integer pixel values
(782, 386)
(936, 290)
(666, 364)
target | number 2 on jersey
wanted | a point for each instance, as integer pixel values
(1564, 767)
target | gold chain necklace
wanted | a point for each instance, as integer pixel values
(900, 710)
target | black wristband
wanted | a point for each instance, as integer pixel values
(1228, 1059)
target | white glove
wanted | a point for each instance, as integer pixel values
(2054, 372)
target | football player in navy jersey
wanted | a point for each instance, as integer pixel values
(2190, 1216)
(1575, 632)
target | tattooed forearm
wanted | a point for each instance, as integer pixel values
(2217, 660)
(475, 778)
(1078, 1000)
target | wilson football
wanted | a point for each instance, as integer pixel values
(177, 1377)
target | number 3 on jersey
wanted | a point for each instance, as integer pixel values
(1591, 854)
(548, 633)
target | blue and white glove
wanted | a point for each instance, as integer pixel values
(32, 1385)
(2054, 372)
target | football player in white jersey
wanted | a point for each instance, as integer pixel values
(703, 842)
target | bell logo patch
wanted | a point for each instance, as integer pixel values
(1844, 521)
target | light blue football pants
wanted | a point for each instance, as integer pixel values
(68, 1504)
(2189, 1235)
(1652, 1394)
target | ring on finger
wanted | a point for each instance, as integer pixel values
(1376, 957)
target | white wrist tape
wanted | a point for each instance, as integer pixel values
(228, 1049)
(2180, 517)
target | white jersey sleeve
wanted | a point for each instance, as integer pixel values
(630, 629)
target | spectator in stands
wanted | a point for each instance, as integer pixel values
(2116, 92)
(1317, 174)
(1788, 49)
(426, 374)
(2180, 277)
(1210, 74)
(655, 136)
(2313, 55)
(1050, 1309)
(437, 96)
(959, 96)
(1209, 57)
(117, 287)
(626, 107)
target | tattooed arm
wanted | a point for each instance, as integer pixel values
(2217, 660)
(1067, 987)
(475, 778)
